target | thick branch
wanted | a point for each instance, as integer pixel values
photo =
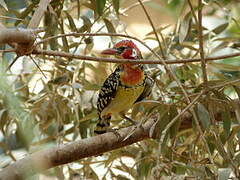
(58, 155)
(23, 36)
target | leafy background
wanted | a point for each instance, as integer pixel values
(38, 112)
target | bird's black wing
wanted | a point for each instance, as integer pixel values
(108, 90)
(106, 95)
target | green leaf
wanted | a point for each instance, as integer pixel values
(86, 24)
(89, 116)
(185, 26)
(24, 13)
(3, 118)
(220, 28)
(109, 26)
(203, 116)
(235, 130)
(3, 4)
(225, 67)
(78, 8)
(100, 4)
(226, 116)
(224, 173)
(116, 5)
(71, 22)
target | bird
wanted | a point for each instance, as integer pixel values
(127, 85)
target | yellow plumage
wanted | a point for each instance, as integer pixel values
(123, 101)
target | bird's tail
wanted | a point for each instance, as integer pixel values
(102, 125)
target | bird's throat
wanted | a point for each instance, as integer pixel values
(131, 76)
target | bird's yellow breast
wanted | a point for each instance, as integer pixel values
(123, 101)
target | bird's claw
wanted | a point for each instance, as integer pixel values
(138, 125)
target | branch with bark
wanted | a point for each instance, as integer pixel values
(62, 154)
(24, 38)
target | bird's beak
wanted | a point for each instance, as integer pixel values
(111, 51)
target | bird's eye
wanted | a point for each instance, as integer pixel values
(134, 53)
(121, 49)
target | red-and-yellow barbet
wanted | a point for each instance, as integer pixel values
(128, 84)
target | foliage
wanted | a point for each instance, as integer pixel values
(40, 112)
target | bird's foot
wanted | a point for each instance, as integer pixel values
(135, 126)
(133, 122)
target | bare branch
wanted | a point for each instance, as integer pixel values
(97, 34)
(113, 60)
(37, 16)
(58, 155)
(37, 66)
(18, 35)
(200, 38)
(11, 64)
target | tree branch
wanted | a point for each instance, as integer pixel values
(58, 155)
(18, 35)
(23, 36)
(113, 60)
(38, 14)
(93, 146)
(200, 38)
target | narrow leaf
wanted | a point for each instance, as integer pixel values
(184, 28)
(100, 4)
(203, 116)
(220, 28)
(116, 5)
(109, 26)
(3, 4)
(224, 173)
(71, 22)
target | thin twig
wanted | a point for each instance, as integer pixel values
(114, 60)
(38, 66)
(225, 84)
(132, 6)
(96, 34)
(200, 37)
(14, 18)
(7, 50)
(154, 29)
(203, 65)
(11, 64)
(192, 10)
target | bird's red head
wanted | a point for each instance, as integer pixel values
(132, 73)
(126, 49)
